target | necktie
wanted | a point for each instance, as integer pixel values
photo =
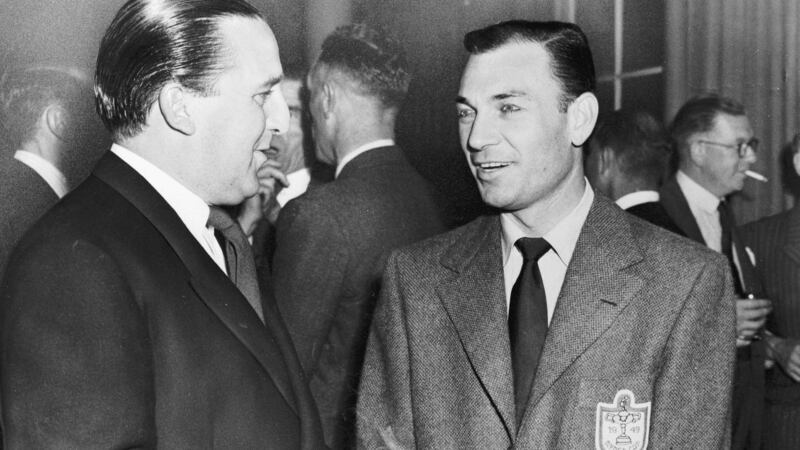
(728, 226)
(527, 320)
(238, 257)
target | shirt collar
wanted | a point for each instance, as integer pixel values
(695, 194)
(49, 173)
(637, 198)
(298, 184)
(562, 237)
(191, 209)
(362, 149)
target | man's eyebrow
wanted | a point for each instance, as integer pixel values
(271, 82)
(462, 100)
(509, 94)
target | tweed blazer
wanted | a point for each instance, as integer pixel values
(24, 198)
(331, 247)
(119, 331)
(640, 309)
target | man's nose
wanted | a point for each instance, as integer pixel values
(481, 134)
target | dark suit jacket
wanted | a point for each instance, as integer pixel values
(655, 213)
(119, 331)
(749, 389)
(775, 240)
(635, 303)
(24, 198)
(332, 243)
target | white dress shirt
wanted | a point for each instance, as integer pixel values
(704, 206)
(637, 198)
(191, 209)
(363, 149)
(49, 173)
(553, 264)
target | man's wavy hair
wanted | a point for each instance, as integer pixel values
(371, 58)
(570, 57)
(25, 92)
(639, 142)
(697, 116)
(152, 42)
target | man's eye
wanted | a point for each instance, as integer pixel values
(464, 114)
(505, 109)
(261, 97)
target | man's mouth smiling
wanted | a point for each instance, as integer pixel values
(491, 166)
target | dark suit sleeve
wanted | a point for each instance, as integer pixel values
(703, 337)
(308, 269)
(384, 412)
(76, 360)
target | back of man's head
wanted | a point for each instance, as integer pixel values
(152, 42)
(570, 56)
(25, 94)
(639, 144)
(371, 59)
(697, 116)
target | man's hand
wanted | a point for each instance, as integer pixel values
(786, 352)
(259, 205)
(751, 314)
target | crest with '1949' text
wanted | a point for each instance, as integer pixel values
(622, 424)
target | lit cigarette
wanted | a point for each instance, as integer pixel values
(756, 176)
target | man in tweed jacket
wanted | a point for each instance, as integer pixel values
(640, 343)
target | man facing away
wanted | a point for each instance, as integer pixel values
(47, 116)
(715, 147)
(627, 159)
(622, 333)
(121, 323)
(333, 241)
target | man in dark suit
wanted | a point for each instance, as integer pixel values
(715, 148)
(332, 242)
(627, 159)
(775, 241)
(120, 325)
(47, 117)
(561, 322)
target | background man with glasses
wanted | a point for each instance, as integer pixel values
(715, 147)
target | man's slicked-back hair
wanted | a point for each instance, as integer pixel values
(25, 93)
(697, 116)
(373, 59)
(639, 143)
(152, 42)
(570, 57)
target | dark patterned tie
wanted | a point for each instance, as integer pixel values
(527, 320)
(728, 226)
(238, 257)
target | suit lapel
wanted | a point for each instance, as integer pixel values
(211, 284)
(474, 297)
(601, 280)
(677, 207)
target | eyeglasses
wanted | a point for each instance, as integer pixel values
(741, 147)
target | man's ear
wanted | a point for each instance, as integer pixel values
(582, 116)
(56, 119)
(697, 153)
(329, 98)
(173, 104)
